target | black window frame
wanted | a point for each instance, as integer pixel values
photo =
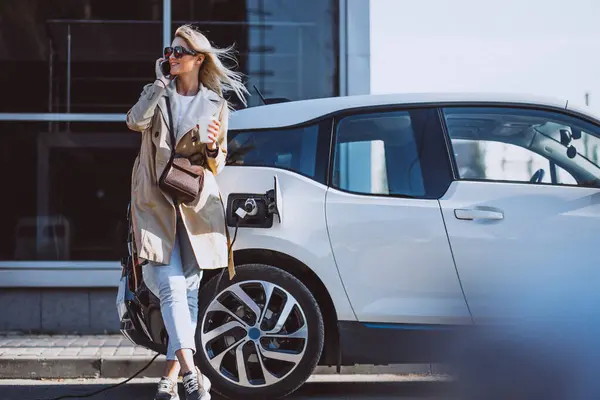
(562, 112)
(322, 155)
(434, 159)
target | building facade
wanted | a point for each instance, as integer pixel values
(70, 71)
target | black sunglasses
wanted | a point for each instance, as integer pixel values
(178, 51)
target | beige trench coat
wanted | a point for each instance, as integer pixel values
(153, 212)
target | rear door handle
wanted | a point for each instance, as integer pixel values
(476, 213)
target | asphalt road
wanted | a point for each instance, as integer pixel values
(145, 388)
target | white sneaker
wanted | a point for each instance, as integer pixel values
(167, 390)
(206, 384)
(193, 389)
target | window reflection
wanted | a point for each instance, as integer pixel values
(70, 202)
(111, 46)
(294, 149)
(93, 56)
(524, 145)
(377, 154)
(503, 162)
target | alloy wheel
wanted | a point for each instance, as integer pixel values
(254, 333)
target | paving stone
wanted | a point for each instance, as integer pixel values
(12, 352)
(51, 352)
(142, 351)
(90, 351)
(16, 343)
(112, 341)
(81, 342)
(121, 351)
(108, 350)
(34, 351)
(70, 351)
(113, 356)
(96, 342)
(63, 342)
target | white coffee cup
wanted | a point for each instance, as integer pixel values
(203, 124)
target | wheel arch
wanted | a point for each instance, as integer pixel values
(311, 280)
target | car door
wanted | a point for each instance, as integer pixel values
(384, 221)
(523, 217)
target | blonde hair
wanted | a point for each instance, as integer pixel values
(213, 74)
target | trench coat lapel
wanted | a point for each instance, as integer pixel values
(205, 103)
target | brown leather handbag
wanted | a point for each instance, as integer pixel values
(178, 180)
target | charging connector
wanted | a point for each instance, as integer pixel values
(251, 207)
(240, 212)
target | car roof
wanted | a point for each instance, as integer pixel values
(298, 112)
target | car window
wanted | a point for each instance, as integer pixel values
(294, 149)
(377, 153)
(523, 145)
(497, 161)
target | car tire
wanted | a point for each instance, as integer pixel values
(263, 377)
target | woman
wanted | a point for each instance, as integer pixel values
(178, 239)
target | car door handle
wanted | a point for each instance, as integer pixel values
(476, 213)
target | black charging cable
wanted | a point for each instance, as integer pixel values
(81, 396)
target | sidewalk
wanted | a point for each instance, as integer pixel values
(113, 356)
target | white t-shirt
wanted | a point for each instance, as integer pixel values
(183, 103)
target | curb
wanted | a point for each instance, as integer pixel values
(124, 367)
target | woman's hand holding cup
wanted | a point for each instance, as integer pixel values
(209, 131)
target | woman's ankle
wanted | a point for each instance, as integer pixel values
(186, 361)
(172, 370)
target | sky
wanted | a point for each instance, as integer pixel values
(541, 47)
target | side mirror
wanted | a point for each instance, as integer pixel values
(571, 152)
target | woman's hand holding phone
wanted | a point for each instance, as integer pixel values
(160, 75)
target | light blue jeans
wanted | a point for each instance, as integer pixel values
(176, 285)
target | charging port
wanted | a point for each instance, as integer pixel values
(252, 210)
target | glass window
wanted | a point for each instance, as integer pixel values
(378, 154)
(78, 55)
(294, 149)
(497, 161)
(288, 49)
(94, 56)
(523, 145)
(69, 201)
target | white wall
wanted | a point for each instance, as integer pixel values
(544, 47)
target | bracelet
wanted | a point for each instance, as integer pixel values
(164, 84)
(212, 153)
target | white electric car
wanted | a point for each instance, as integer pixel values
(371, 227)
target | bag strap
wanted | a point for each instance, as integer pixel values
(171, 128)
(173, 142)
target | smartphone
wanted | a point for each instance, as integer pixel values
(165, 68)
